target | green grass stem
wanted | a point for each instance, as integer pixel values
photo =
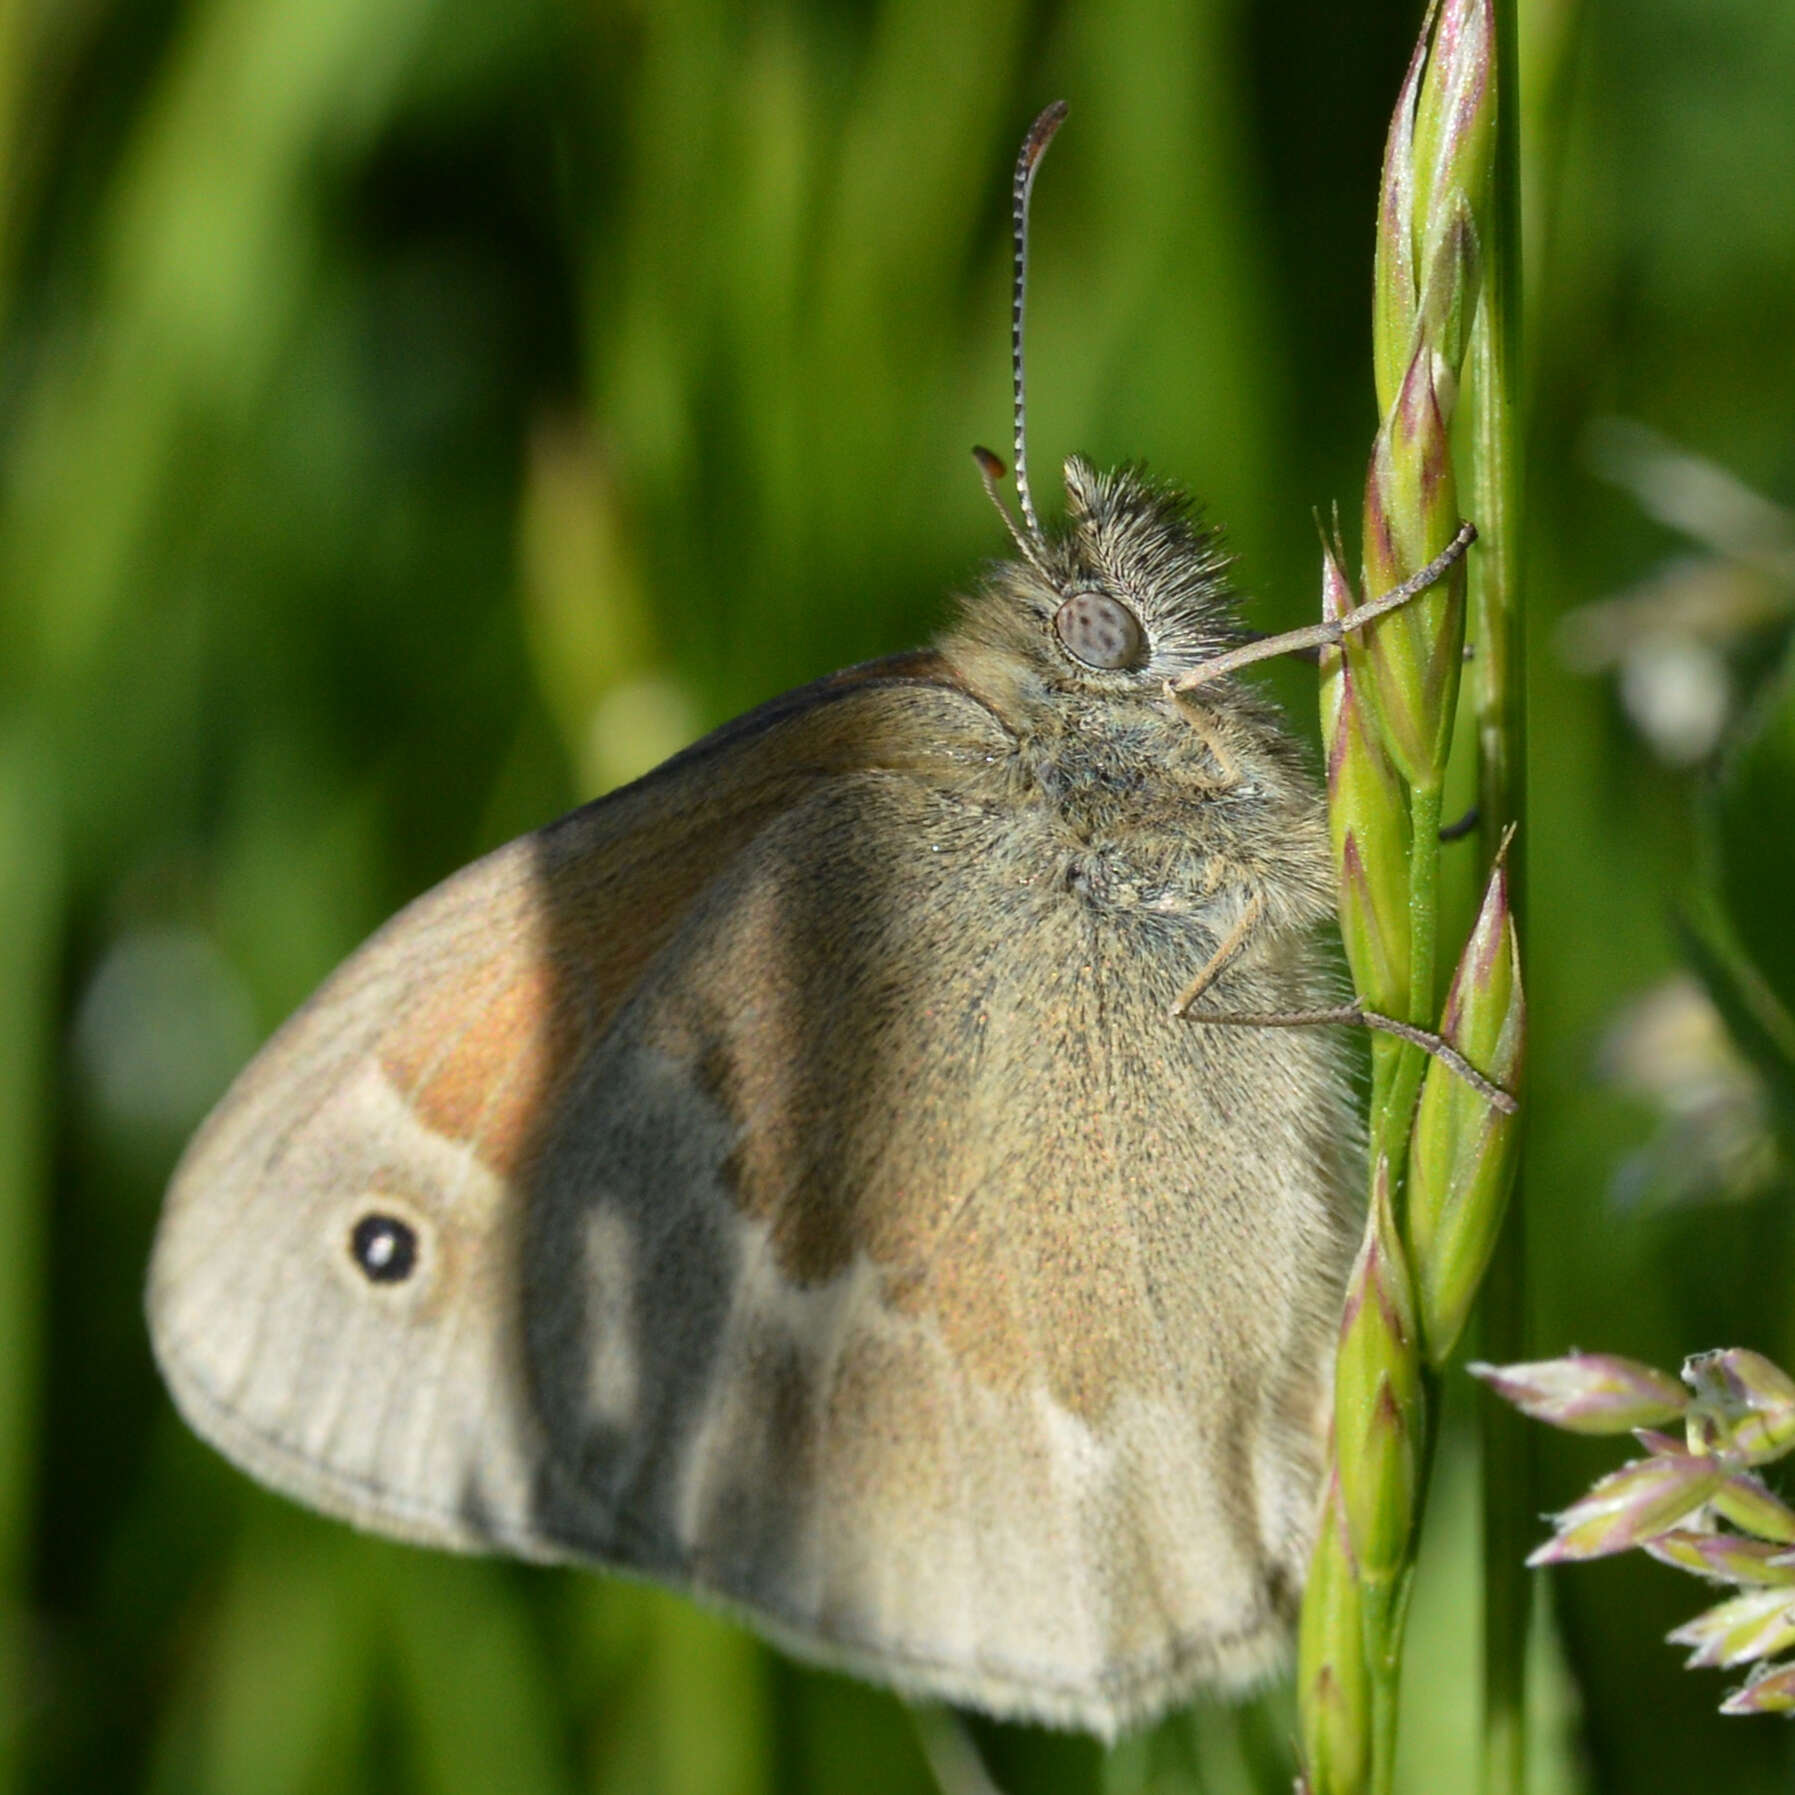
(1498, 628)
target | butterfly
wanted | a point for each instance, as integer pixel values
(797, 1176)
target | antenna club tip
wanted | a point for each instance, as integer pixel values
(989, 465)
(1041, 132)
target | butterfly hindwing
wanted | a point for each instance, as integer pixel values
(897, 1321)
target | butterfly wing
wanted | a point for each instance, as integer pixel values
(411, 1097)
(811, 1204)
(957, 1334)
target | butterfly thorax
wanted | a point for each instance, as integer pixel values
(1074, 651)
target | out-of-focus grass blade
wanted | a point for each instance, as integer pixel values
(30, 927)
(848, 1738)
(587, 618)
(275, 1697)
(1761, 1028)
(1440, 1722)
(1751, 817)
(1167, 278)
(207, 250)
(683, 1699)
(18, 29)
(713, 1723)
(900, 218)
(478, 1687)
(1212, 1748)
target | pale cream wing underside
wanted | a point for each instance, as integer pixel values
(883, 1264)
(416, 1084)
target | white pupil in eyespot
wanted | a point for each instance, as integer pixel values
(1099, 631)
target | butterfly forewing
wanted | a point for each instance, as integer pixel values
(408, 1100)
(782, 1179)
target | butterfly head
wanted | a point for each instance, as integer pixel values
(1128, 593)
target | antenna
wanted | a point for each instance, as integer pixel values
(991, 471)
(1034, 147)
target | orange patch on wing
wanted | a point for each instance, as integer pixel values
(478, 1065)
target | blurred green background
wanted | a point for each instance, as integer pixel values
(416, 415)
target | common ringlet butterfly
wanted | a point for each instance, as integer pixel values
(789, 1177)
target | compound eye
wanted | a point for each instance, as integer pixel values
(1099, 631)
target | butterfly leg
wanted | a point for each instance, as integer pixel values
(1322, 635)
(1357, 1016)
(1463, 827)
(1225, 954)
(1227, 766)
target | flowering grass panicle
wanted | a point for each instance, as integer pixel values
(1694, 1502)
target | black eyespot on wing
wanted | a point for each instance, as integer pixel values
(385, 1248)
(1099, 630)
